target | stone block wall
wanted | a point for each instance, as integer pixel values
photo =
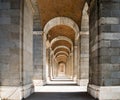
(16, 63)
(109, 42)
(84, 58)
(93, 44)
(9, 42)
(104, 75)
(27, 44)
(38, 57)
(104, 43)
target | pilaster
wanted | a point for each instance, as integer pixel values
(15, 49)
(104, 49)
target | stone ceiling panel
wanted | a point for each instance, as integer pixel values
(61, 43)
(55, 8)
(61, 58)
(61, 30)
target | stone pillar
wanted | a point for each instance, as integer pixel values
(48, 62)
(71, 66)
(68, 67)
(84, 59)
(16, 60)
(51, 64)
(104, 49)
(45, 59)
(75, 61)
(55, 65)
(38, 58)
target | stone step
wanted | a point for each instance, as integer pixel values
(61, 85)
(60, 88)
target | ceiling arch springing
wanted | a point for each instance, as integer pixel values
(61, 49)
(61, 43)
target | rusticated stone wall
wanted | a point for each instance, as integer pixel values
(10, 42)
(84, 59)
(93, 43)
(105, 42)
(27, 43)
(38, 56)
(16, 50)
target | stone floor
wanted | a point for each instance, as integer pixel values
(60, 96)
(61, 88)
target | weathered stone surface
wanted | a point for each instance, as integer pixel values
(84, 56)
(16, 65)
(116, 75)
(37, 56)
(115, 59)
(9, 46)
(105, 53)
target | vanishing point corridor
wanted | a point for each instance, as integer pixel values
(59, 49)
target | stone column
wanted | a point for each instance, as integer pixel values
(71, 66)
(48, 53)
(84, 59)
(45, 58)
(104, 20)
(68, 67)
(53, 67)
(38, 58)
(51, 64)
(75, 61)
(16, 51)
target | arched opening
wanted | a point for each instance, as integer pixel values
(47, 42)
(61, 34)
(66, 50)
(83, 77)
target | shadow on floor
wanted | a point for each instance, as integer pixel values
(60, 96)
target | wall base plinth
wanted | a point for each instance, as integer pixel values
(15, 92)
(82, 82)
(37, 84)
(104, 92)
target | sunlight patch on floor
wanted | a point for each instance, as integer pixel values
(61, 89)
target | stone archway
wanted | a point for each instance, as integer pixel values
(59, 48)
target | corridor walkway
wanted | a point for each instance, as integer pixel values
(60, 88)
(60, 96)
(61, 84)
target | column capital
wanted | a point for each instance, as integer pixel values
(84, 32)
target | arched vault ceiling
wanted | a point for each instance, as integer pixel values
(61, 30)
(61, 54)
(49, 9)
(61, 58)
(61, 49)
(61, 43)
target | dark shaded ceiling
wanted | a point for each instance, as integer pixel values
(61, 58)
(50, 9)
(61, 49)
(61, 43)
(61, 54)
(61, 30)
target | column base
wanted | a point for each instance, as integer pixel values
(82, 82)
(15, 92)
(104, 92)
(38, 84)
(75, 78)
